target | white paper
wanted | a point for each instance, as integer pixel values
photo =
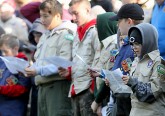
(116, 83)
(58, 61)
(15, 65)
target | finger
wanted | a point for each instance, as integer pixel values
(61, 68)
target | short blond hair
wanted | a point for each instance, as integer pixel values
(79, 1)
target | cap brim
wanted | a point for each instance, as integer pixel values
(114, 18)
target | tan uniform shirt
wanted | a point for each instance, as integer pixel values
(52, 44)
(145, 71)
(103, 58)
(85, 49)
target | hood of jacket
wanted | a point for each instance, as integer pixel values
(38, 27)
(149, 37)
(106, 27)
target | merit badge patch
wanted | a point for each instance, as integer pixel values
(113, 53)
(161, 69)
(126, 64)
(150, 62)
(1, 72)
(12, 80)
(69, 37)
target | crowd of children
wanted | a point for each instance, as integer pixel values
(94, 42)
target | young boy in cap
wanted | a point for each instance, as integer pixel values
(147, 94)
(128, 16)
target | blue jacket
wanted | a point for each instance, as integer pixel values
(158, 20)
(12, 106)
(124, 53)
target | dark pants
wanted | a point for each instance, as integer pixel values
(34, 96)
(53, 99)
(81, 104)
(123, 106)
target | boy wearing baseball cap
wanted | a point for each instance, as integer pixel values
(147, 92)
(128, 16)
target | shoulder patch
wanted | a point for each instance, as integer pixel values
(12, 80)
(126, 64)
(69, 37)
(161, 69)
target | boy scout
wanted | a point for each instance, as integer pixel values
(147, 98)
(53, 90)
(85, 45)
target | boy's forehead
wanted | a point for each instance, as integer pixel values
(45, 11)
(77, 7)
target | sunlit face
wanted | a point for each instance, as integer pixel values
(137, 48)
(7, 51)
(80, 13)
(48, 20)
(124, 26)
(121, 40)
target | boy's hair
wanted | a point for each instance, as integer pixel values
(79, 1)
(135, 22)
(53, 7)
(9, 40)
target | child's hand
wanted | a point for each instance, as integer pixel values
(63, 72)
(30, 72)
(125, 79)
(93, 72)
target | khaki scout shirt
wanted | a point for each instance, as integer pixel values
(85, 49)
(104, 58)
(52, 44)
(145, 71)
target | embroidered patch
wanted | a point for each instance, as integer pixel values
(112, 59)
(113, 52)
(12, 80)
(161, 69)
(69, 37)
(126, 64)
(150, 62)
(1, 72)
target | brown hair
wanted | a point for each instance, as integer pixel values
(79, 1)
(136, 22)
(9, 40)
(53, 7)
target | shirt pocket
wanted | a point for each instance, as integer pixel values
(87, 49)
(51, 49)
(146, 73)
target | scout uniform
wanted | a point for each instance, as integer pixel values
(53, 90)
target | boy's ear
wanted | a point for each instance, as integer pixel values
(16, 48)
(130, 21)
(58, 15)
